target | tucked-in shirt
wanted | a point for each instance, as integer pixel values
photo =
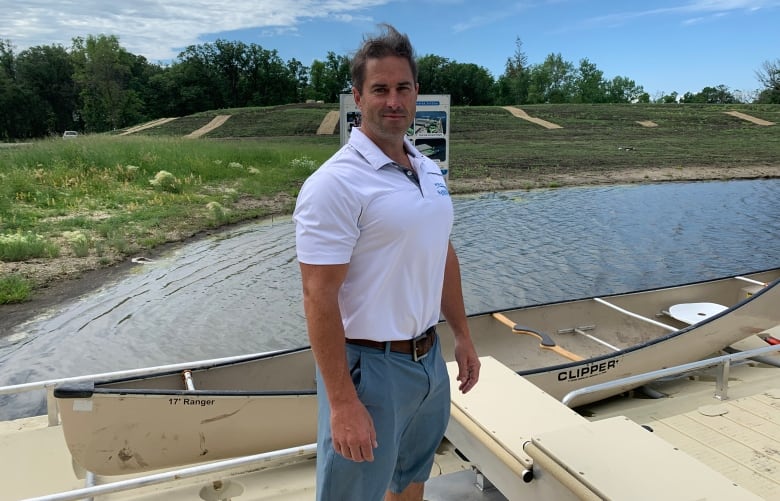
(362, 209)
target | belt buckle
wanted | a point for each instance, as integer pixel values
(415, 356)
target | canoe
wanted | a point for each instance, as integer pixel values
(267, 401)
(563, 346)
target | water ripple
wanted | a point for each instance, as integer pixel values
(240, 292)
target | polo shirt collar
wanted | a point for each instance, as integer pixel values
(371, 152)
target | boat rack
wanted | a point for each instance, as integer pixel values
(723, 363)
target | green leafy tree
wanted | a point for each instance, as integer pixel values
(589, 85)
(269, 80)
(229, 61)
(667, 98)
(512, 86)
(552, 81)
(329, 78)
(432, 74)
(299, 76)
(103, 71)
(711, 95)
(769, 76)
(469, 84)
(46, 75)
(624, 90)
(466, 83)
(10, 95)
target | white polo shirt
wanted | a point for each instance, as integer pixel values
(359, 208)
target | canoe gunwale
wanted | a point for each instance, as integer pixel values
(69, 392)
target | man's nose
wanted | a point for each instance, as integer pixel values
(393, 99)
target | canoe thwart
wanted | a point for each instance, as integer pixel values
(189, 383)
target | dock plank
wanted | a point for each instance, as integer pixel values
(739, 438)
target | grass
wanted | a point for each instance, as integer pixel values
(14, 289)
(105, 197)
(489, 141)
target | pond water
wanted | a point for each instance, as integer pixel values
(240, 292)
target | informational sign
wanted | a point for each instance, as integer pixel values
(430, 132)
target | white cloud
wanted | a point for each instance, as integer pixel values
(715, 8)
(157, 29)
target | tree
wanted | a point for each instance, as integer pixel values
(512, 86)
(589, 86)
(469, 84)
(625, 90)
(103, 71)
(769, 76)
(667, 98)
(711, 95)
(330, 78)
(230, 62)
(552, 81)
(10, 96)
(432, 74)
(46, 75)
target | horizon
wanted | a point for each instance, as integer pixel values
(675, 46)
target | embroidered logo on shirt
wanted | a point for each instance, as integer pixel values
(441, 189)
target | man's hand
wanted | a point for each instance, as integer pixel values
(468, 364)
(353, 433)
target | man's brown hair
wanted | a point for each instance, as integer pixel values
(388, 43)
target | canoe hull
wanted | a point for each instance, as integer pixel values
(157, 431)
(267, 402)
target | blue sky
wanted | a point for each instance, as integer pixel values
(664, 46)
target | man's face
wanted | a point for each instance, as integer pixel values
(388, 99)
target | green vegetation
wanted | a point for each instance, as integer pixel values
(106, 197)
(101, 198)
(14, 289)
(489, 141)
(98, 86)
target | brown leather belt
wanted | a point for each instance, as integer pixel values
(417, 347)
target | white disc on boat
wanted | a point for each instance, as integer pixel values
(692, 313)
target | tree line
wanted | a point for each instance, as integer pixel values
(98, 86)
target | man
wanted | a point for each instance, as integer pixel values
(377, 268)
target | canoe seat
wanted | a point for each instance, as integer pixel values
(693, 313)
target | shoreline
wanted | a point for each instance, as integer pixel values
(68, 282)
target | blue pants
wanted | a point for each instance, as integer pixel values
(410, 404)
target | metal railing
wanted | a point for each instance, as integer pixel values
(180, 474)
(722, 376)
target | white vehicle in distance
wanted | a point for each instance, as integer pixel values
(70, 134)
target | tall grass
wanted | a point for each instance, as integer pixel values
(109, 196)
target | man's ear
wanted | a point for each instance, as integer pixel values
(356, 96)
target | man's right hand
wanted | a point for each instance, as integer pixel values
(352, 430)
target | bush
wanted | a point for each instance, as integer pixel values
(166, 181)
(22, 246)
(14, 289)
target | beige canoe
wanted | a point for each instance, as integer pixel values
(267, 402)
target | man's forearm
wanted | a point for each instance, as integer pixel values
(452, 306)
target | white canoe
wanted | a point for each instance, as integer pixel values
(266, 402)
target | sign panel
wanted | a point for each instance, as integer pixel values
(430, 132)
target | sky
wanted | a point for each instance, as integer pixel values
(663, 45)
